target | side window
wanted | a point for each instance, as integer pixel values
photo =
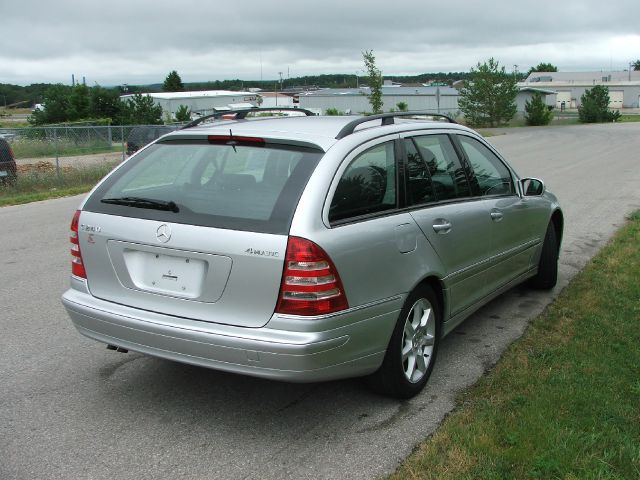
(490, 176)
(419, 187)
(447, 175)
(368, 185)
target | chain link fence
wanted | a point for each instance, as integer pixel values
(69, 159)
(64, 146)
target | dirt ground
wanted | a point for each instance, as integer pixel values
(75, 161)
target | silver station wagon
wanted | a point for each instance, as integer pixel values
(307, 248)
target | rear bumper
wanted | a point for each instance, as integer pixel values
(349, 344)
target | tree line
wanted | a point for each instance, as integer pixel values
(33, 94)
(64, 103)
(487, 97)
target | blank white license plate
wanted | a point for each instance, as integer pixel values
(177, 276)
(4, 173)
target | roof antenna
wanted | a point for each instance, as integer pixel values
(232, 142)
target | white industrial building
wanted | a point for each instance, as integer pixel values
(355, 100)
(276, 99)
(624, 86)
(201, 102)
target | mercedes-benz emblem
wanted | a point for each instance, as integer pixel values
(163, 234)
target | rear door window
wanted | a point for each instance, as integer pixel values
(367, 186)
(254, 188)
(443, 166)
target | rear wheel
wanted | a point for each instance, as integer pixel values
(412, 349)
(547, 275)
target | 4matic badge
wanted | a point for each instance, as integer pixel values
(262, 253)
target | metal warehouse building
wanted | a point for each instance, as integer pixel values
(354, 100)
(624, 86)
(202, 102)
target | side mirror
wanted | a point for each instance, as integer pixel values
(532, 187)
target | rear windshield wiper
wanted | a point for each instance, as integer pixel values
(140, 202)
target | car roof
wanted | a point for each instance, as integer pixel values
(315, 131)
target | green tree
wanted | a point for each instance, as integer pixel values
(488, 98)
(402, 106)
(594, 106)
(183, 114)
(56, 101)
(375, 81)
(63, 103)
(636, 65)
(536, 111)
(142, 110)
(543, 67)
(173, 83)
(105, 103)
(78, 103)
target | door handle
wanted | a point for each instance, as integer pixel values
(441, 226)
(496, 215)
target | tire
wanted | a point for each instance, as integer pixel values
(417, 333)
(547, 275)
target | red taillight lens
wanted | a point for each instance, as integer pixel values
(77, 267)
(310, 281)
(236, 140)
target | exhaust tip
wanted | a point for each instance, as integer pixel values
(117, 349)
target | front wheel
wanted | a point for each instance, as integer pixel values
(412, 350)
(547, 275)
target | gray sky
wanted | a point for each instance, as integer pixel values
(140, 41)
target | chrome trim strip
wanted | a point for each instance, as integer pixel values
(513, 251)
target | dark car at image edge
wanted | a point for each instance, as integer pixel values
(8, 170)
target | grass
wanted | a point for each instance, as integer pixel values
(564, 401)
(629, 118)
(42, 182)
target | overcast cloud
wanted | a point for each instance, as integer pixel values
(140, 41)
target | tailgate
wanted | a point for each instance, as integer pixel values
(202, 273)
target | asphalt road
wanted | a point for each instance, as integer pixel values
(71, 409)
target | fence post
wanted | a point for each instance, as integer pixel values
(122, 140)
(55, 146)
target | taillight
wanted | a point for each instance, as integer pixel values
(77, 267)
(310, 281)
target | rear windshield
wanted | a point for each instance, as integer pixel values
(251, 188)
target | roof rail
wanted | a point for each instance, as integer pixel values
(242, 113)
(386, 119)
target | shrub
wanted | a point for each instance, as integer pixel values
(183, 114)
(594, 106)
(536, 112)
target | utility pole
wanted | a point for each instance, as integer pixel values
(280, 73)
